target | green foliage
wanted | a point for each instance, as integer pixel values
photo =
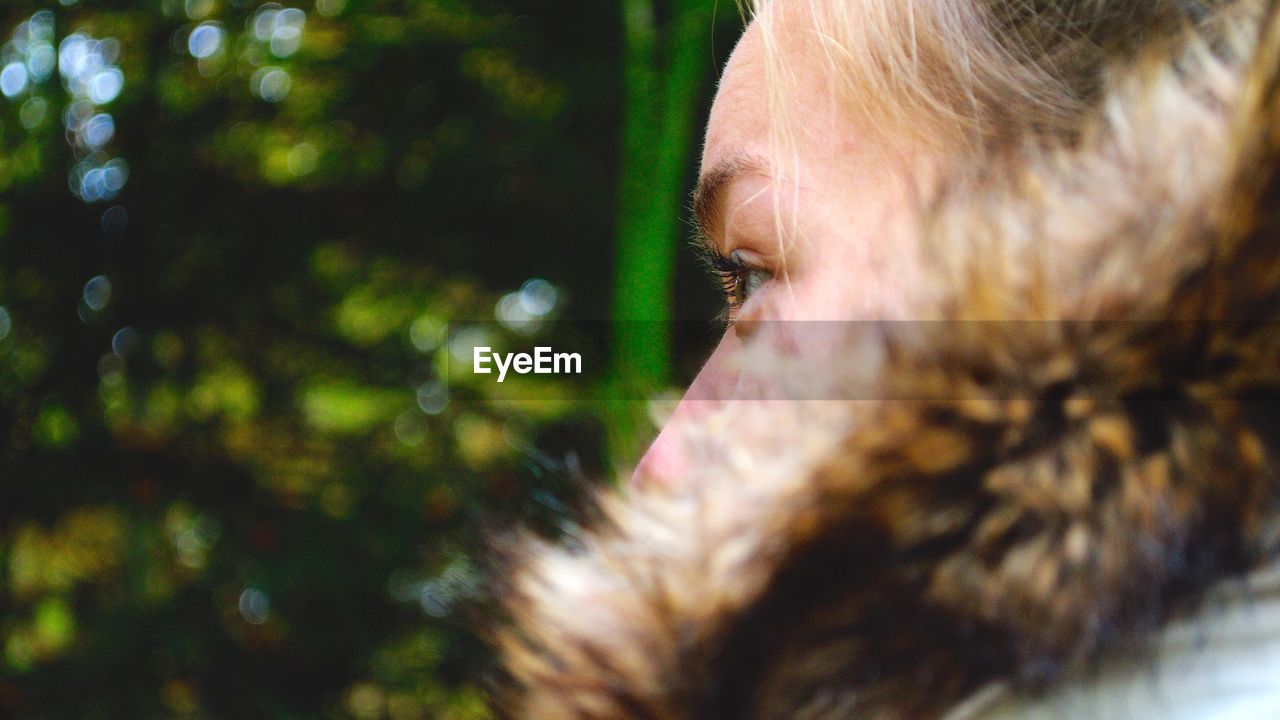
(233, 237)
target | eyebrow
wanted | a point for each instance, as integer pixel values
(708, 195)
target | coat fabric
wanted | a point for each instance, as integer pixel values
(1028, 498)
(1220, 663)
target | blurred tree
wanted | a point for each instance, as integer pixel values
(663, 76)
(233, 480)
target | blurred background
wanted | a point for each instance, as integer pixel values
(233, 234)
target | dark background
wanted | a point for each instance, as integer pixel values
(232, 483)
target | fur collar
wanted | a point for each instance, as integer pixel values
(1075, 485)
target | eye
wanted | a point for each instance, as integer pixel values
(740, 277)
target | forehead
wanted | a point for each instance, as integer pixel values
(778, 54)
(742, 86)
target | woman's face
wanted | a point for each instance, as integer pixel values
(808, 215)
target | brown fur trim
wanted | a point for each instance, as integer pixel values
(1054, 488)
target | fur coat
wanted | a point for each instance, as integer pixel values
(1062, 467)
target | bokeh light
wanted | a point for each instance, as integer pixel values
(97, 131)
(303, 159)
(115, 220)
(105, 85)
(330, 8)
(94, 179)
(199, 9)
(125, 341)
(41, 60)
(286, 32)
(206, 40)
(28, 58)
(465, 339)
(255, 606)
(97, 292)
(433, 397)
(13, 79)
(526, 310)
(33, 113)
(427, 332)
(271, 84)
(92, 80)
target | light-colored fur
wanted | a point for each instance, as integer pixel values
(1074, 454)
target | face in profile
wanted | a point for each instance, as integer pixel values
(1066, 449)
(806, 212)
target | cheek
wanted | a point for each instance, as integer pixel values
(845, 279)
(821, 285)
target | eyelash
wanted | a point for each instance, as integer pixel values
(735, 277)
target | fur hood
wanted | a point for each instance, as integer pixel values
(1052, 489)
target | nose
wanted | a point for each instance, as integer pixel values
(667, 462)
(663, 463)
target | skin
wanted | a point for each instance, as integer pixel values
(830, 226)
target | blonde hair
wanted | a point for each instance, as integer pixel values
(957, 81)
(938, 71)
